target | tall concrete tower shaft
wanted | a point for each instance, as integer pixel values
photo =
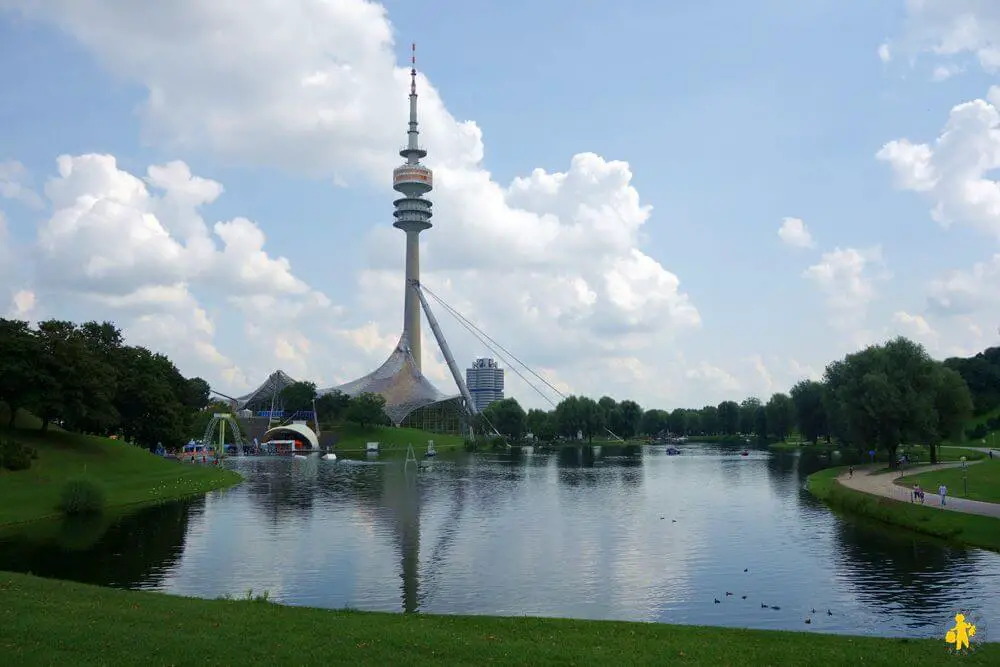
(413, 215)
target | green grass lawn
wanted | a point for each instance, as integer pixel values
(968, 529)
(351, 437)
(44, 621)
(128, 474)
(983, 478)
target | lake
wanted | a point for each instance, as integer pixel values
(601, 533)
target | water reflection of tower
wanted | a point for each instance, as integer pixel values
(402, 499)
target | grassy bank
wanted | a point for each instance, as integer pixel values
(353, 438)
(129, 475)
(983, 481)
(52, 622)
(967, 529)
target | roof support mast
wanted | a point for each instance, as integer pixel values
(445, 350)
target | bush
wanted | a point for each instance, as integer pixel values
(15, 456)
(81, 496)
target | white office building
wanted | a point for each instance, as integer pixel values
(485, 381)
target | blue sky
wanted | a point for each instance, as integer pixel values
(731, 116)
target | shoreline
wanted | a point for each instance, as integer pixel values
(131, 477)
(966, 529)
(46, 621)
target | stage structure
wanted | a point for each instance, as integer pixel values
(410, 398)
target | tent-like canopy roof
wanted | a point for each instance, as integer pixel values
(274, 383)
(404, 388)
(299, 429)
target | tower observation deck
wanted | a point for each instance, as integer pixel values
(413, 215)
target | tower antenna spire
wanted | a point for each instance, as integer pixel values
(413, 68)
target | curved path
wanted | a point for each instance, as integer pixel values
(884, 485)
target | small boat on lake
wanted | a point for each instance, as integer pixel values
(673, 451)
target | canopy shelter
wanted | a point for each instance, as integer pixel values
(297, 431)
(404, 388)
(264, 397)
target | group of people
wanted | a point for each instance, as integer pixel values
(917, 495)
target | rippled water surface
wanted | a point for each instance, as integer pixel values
(612, 533)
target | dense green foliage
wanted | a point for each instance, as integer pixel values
(51, 622)
(982, 374)
(84, 378)
(15, 456)
(82, 496)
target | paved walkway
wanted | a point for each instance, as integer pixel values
(883, 485)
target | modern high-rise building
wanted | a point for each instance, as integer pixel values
(485, 381)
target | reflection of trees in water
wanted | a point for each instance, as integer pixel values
(781, 475)
(281, 489)
(134, 550)
(812, 461)
(576, 464)
(893, 568)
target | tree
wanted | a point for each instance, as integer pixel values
(541, 424)
(748, 415)
(631, 415)
(569, 416)
(653, 422)
(760, 427)
(780, 415)
(886, 394)
(591, 418)
(148, 401)
(74, 383)
(729, 417)
(677, 421)
(507, 417)
(709, 417)
(982, 375)
(366, 409)
(298, 396)
(953, 405)
(197, 394)
(809, 410)
(692, 422)
(333, 406)
(18, 366)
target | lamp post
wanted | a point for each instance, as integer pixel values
(965, 478)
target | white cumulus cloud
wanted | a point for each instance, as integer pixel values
(550, 264)
(848, 278)
(793, 232)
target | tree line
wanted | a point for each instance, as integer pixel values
(879, 397)
(85, 378)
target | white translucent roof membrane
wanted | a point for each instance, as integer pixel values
(404, 388)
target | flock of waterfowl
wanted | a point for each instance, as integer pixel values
(763, 605)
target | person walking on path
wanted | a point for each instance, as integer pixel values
(850, 471)
(943, 491)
